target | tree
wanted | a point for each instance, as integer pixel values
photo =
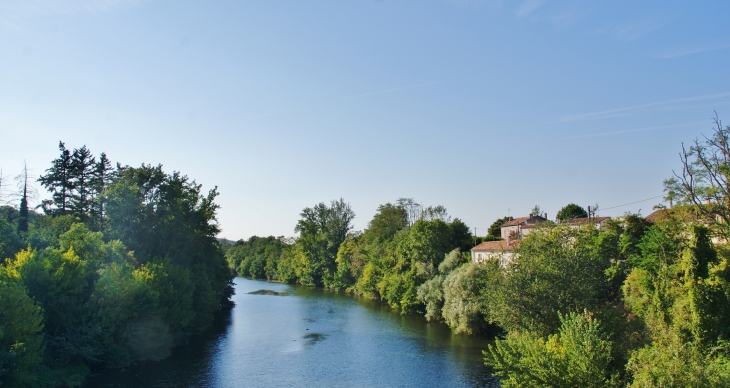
(536, 211)
(704, 182)
(571, 211)
(82, 177)
(58, 181)
(558, 270)
(388, 220)
(167, 216)
(102, 174)
(495, 230)
(466, 290)
(23, 209)
(10, 242)
(321, 230)
(413, 210)
(579, 355)
(21, 333)
(680, 290)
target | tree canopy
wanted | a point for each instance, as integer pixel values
(123, 266)
(571, 211)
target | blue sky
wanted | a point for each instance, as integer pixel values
(484, 107)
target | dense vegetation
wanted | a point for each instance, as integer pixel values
(122, 266)
(634, 303)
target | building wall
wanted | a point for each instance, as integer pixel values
(506, 230)
(482, 256)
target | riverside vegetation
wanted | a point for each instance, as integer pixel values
(122, 265)
(636, 303)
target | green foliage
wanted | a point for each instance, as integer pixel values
(671, 362)
(571, 211)
(10, 242)
(73, 295)
(579, 355)
(558, 270)
(21, 333)
(389, 220)
(680, 289)
(58, 180)
(466, 293)
(346, 275)
(536, 211)
(495, 230)
(702, 185)
(431, 295)
(321, 230)
(258, 257)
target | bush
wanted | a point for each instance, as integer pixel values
(579, 355)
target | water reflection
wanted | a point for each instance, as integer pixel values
(280, 335)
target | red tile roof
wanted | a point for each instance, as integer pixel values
(497, 246)
(520, 220)
(657, 215)
(515, 221)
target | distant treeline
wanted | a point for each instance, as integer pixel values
(122, 265)
(635, 303)
(400, 250)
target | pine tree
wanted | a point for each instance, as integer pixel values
(101, 175)
(81, 177)
(23, 210)
(58, 181)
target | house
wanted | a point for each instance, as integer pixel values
(502, 250)
(520, 227)
(658, 215)
(599, 222)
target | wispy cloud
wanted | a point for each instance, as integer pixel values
(639, 28)
(392, 90)
(529, 6)
(635, 130)
(626, 111)
(692, 50)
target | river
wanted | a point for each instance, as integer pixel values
(305, 337)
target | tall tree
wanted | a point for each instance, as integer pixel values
(704, 182)
(321, 231)
(388, 220)
(414, 210)
(82, 177)
(101, 176)
(23, 209)
(571, 211)
(58, 181)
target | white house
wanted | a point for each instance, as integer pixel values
(599, 222)
(519, 227)
(502, 250)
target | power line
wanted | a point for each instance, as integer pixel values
(627, 204)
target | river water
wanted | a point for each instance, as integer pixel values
(305, 337)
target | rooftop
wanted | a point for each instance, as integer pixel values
(525, 220)
(497, 246)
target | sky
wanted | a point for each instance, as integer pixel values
(485, 107)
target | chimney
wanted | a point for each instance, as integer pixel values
(530, 215)
(508, 239)
(544, 215)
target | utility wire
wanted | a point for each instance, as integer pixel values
(627, 204)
